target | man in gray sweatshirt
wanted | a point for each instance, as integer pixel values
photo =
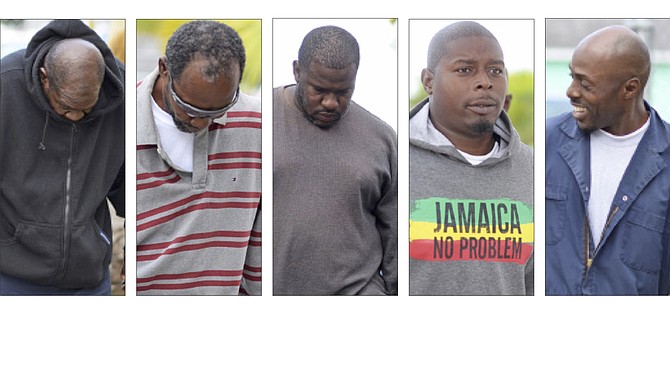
(471, 178)
(335, 179)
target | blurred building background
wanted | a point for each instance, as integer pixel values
(563, 35)
(15, 35)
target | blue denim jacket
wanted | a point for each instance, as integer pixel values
(633, 257)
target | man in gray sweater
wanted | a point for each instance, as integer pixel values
(335, 179)
(471, 178)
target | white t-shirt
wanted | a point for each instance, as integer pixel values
(610, 156)
(435, 137)
(177, 145)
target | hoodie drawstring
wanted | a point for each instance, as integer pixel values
(42, 146)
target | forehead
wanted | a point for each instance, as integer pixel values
(321, 76)
(77, 95)
(477, 48)
(196, 69)
(195, 88)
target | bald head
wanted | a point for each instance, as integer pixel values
(76, 63)
(72, 77)
(621, 48)
(439, 44)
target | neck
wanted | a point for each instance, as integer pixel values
(471, 143)
(157, 93)
(630, 121)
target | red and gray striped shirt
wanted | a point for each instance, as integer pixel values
(199, 233)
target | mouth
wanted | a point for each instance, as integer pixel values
(327, 117)
(483, 107)
(579, 112)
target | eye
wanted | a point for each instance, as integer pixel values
(497, 71)
(464, 70)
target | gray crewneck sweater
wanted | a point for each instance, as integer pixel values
(335, 203)
(471, 227)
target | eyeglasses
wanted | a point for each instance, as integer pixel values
(194, 112)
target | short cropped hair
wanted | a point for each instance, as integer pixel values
(329, 46)
(438, 47)
(217, 43)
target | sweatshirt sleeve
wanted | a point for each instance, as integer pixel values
(251, 273)
(387, 226)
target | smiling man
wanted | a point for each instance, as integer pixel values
(62, 136)
(608, 176)
(471, 185)
(335, 179)
(198, 169)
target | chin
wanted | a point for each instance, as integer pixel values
(586, 128)
(323, 125)
(482, 127)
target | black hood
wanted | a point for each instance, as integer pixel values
(112, 91)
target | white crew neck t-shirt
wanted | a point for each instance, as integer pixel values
(435, 137)
(610, 156)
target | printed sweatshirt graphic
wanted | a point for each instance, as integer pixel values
(496, 230)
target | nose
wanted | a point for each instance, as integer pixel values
(483, 81)
(201, 123)
(329, 101)
(573, 92)
(74, 116)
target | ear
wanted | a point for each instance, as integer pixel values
(296, 71)
(162, 67)
(632, 87)
(43, 77)
(427, 77)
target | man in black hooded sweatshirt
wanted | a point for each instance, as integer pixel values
(62, 133)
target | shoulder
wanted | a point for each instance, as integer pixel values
(560, 126)
(524, 156)
(558, 121)
(361, 116)
(248, 103)
(11, 62)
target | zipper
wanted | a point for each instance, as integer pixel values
(588, 256)
(66, 210)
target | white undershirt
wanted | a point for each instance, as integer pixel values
(610, 156)
(177, 145)
(435, 137)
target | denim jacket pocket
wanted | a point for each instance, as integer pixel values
(642, 240)
(555, 207)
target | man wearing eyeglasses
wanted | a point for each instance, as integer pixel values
(608, 176)
(198, 169)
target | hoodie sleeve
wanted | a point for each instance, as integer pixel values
(529, 274)
(117, 193)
